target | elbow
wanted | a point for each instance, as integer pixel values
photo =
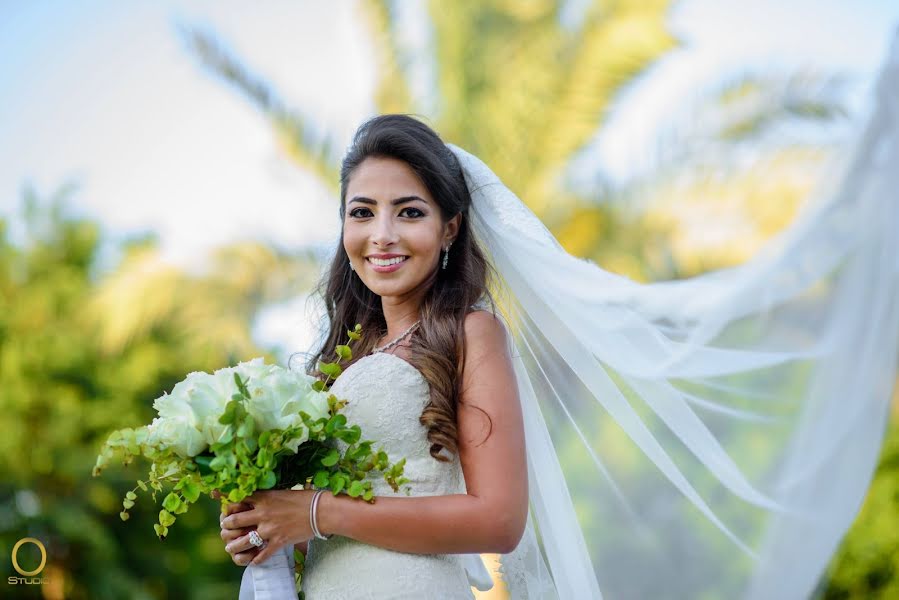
(508, 535)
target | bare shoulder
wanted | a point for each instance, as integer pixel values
(488, 356)
(485, 332)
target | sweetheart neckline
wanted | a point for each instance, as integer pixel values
(476, 306)
(403, 360)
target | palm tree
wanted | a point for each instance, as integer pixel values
(514, 84)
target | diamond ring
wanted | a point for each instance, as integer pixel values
(256, 540)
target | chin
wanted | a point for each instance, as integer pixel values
(395, 288)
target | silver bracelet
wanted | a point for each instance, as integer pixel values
(313, 516)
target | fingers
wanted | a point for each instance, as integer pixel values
(238, 507)
(229, 535)
(244, 558)
(239, 545)
(240, 519)
(235, 508)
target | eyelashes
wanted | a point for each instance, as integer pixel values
(416, 212)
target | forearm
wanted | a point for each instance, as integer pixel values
(457, 523)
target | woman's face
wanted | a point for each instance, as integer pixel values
(391, 216)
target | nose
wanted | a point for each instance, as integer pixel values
(383, 232)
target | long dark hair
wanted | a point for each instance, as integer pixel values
(437, 346)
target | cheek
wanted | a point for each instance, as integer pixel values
(351, 240)
(425, 241)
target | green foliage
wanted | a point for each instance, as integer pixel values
(867, 563)
(62, 392)
(242, 462)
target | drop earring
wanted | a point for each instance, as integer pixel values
(446, 256)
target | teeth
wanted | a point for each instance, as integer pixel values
(381, 262)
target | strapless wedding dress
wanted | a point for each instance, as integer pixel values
(386, 396)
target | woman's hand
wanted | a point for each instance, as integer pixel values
(280, 517)
(229, 535)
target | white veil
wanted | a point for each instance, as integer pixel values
(712, 437)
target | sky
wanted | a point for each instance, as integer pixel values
(104, 95)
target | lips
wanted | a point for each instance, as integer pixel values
(388, 267)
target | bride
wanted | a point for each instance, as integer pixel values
(437, 387)
(711, 437)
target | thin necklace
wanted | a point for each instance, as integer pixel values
(397, 340)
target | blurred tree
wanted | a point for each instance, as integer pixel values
(735, 169)
(867, 563)
(84, 351)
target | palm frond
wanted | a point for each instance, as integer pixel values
(392, 94)
(297, 133)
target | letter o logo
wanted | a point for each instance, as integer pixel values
(15, 562)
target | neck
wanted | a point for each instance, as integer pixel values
(400, 314)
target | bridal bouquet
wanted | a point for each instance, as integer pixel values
(250, 427)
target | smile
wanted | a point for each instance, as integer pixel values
(386, 265)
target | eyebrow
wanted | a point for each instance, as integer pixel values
(395, 201)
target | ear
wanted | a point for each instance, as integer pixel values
(451, 229)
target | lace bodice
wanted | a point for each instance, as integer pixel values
(387, 406)
(386, 396)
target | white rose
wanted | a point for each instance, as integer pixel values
(177, 433)
(174, 405)
(200, 399)
(271, 400)
(254, 369)
(279, 396)
(314, 404)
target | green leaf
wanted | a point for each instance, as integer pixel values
(350, 435)
(344, 352)
(330, 369)
(190, 490)
(368, 495)
(226, 436)
(321, 479)
(318, 385)
(241, 386)
(331, 458)
(355, 489)
(264, 437)
(268, 481)
(160, 530)
(338, 482)
(142, 485)
(171, 502)
(166, 518)
(124, 515)
(128, 503)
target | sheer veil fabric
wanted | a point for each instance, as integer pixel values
(711, 437)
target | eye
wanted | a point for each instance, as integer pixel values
(417, 213)
(355, 212)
